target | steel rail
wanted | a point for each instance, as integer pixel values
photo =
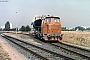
(51, 52)
(72, 50)
(34, 53)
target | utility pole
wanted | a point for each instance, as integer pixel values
(16, 22)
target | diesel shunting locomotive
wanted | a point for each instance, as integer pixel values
(47, 27)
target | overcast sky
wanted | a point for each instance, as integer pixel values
(71, 12)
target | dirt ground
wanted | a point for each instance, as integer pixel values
(4, 55)
(9, 53)
(77, 37)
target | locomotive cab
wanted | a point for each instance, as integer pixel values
(51, 29)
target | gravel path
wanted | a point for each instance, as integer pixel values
(9, 53)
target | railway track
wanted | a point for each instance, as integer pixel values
(84, 54)
(72, 52)
(41, 52)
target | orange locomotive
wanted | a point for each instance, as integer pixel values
(47, 28)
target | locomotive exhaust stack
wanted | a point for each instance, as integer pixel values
(47, 27)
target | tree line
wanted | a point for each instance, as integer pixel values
(23, 28)
(80, 28)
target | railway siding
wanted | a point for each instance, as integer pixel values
(59, 53)
(76, 48)
(64, 45)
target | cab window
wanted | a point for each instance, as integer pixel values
(48, 19)
(56, 20)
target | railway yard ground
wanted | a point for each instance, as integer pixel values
(73, 37)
